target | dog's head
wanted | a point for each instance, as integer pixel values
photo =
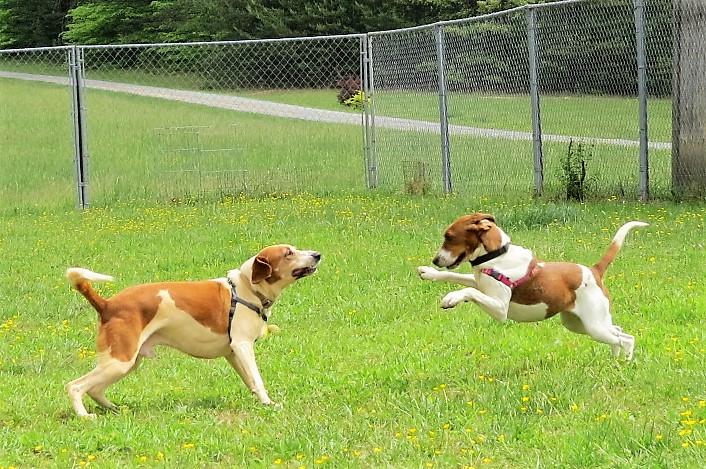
(281, 265)
(466, 238)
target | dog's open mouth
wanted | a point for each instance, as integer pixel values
(303, 272)
(457, 262)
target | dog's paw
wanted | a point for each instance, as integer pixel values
(427, 273)
(452, 299)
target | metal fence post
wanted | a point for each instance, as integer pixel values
(534, 100)
(370, 109)
(365, 116)
(642, 98)
(79, 121)
(443, 114)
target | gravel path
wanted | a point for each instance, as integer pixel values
(290, 111)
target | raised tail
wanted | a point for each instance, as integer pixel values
(81, 280)
(602, 265)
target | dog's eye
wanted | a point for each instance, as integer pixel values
(447, 237)
(288, 253)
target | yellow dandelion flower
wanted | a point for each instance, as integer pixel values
(278, 461)
(486, 460)
(574, 407)
(525, 387)
(685, 431)
(299, 456)
(188, 445)
(685, 399)
(377, 450)
(685, 444)
(525, 398)
(702, 403)
(659, 437)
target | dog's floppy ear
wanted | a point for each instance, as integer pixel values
(480, 222)
(261, 269)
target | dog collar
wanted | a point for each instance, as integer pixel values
(235, 299)
(490, 256)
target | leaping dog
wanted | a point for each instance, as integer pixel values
(508, 282)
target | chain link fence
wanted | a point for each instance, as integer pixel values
(36, 128)
(548, 98)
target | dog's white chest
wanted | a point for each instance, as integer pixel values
(527, 313)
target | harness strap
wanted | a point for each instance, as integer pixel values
(235, 299)
(532, 269)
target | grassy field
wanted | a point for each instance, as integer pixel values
(133, 157)
(369, 371)
(583, 116)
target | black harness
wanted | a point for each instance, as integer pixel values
(235, 299)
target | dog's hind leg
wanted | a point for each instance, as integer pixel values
(97, 392)
(101, 377)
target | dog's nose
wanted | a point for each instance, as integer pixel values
(436, 261)
(316, 256)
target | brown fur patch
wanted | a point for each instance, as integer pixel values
(127, 313)
(554, 284)
(468, 232)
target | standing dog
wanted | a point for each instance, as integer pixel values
(205, 319)
(508, 282)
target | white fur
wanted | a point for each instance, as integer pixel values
(76, 274)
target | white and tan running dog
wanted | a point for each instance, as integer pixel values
(508, 282)
(205, 319)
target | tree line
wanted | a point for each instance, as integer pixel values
(33, 23)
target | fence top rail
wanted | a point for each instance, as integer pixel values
(223, 43)
(509, 11)
(34, 49)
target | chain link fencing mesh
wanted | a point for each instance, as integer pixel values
(487, 77)
(36, 146)
(406, 110)
(588, 86)
(161, 120)
(292, 131)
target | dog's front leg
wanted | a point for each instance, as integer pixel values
(243, 360)
(430, 273)
(495, 307)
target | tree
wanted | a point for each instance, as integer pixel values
(28, 23)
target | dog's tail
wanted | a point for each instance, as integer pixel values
(81, 280)
(602, 265)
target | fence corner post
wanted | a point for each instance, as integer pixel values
(534, 102)
(443, 111)
(76, 71)
(642, 98)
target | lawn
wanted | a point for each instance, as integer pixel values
(369, 370)
(153, 149)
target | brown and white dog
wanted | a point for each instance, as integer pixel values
(508, 282)
(204, 319)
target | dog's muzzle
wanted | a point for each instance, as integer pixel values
(302, 272)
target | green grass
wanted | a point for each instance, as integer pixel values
(576, 115)
(131, 159)
(369, 370)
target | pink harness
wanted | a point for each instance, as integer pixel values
(532, 269)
